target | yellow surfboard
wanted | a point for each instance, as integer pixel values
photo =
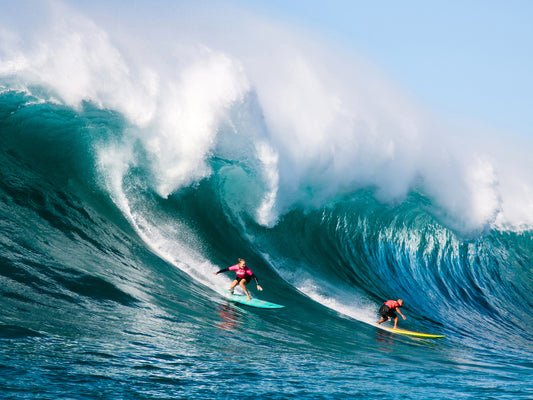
(414, 334)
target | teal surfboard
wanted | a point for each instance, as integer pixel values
(242, 299)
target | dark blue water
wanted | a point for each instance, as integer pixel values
(107, 248)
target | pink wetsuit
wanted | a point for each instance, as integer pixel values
(392, 304)
(241, 272)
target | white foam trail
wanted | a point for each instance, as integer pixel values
(269, 159)
(162, 239)
(345, 300)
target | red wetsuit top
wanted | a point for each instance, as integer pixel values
(240, 272)
(392, 304)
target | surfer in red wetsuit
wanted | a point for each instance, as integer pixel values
(388, 311)
(243, 276)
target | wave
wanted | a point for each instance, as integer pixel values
(321, 175)
(309, 123)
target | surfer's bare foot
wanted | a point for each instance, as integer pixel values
(248, 299)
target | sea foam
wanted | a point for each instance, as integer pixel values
(324, 123)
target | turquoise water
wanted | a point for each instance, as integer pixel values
(124, 185)
(91, 311)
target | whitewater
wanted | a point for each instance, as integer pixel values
(145, 148)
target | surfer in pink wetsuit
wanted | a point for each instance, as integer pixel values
(388, 311)
(243, 276)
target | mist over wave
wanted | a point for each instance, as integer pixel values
(307, 122)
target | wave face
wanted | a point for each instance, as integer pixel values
(129, 174)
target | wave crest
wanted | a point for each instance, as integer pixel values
(315, 122)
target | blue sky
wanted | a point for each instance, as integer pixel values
(466, 60)
(469, 61)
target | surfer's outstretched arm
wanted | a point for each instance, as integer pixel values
(222, 270)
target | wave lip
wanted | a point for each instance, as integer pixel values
(316, 121)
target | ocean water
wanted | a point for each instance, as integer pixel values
(127, 180)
